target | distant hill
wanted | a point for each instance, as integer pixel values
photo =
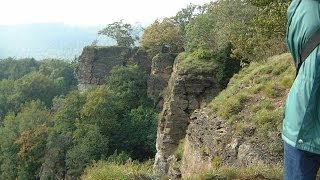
(48, 40)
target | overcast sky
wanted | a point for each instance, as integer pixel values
(88, 12)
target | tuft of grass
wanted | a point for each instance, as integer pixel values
(194, 65)
(240, 173)
(180, 150)
(265, 104)
(216, 161)
(264, 116)
(233, 105)
(272, 89)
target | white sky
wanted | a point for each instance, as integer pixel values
(88, 12)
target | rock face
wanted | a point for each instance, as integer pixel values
(211, 142)
(96, 62)
(161, 69)
(184, 94)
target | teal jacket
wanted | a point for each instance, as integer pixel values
(301, 125)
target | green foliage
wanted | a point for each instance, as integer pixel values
(216, 162)
(212, 30)
(14, 69)
(162, 34)
(121, 32)
(227, 65)
(264, 33)
(264, 116)
(183, 18)
(67, 111)
(120, 158)
(193, 65)
(23, 141)
(129, 84)
(61, 72)
(141, 126)
(35, 86)
(185, 15)
(102, 108)
(200, 36)
(221, 65)
(6, 87)
(9, 150)
(88, 145)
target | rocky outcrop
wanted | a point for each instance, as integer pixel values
(161, 69)
(184, 94)
(211, 142)
(95, 63)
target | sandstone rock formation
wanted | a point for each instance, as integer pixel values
(210, 142)
(184, 94)
(161, 69)
(95, 62)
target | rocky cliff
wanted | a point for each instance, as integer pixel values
(239, 126)
(96, 62)
(185, 93)
(161, 69)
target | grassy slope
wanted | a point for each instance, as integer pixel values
(255, 98)
(256, 95)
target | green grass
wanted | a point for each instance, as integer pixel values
(180, 150)
(257, 93)
(240, 173)
(131, 170)
(193, 65)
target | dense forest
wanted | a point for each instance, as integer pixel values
(49, 130)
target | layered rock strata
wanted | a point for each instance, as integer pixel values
(184, 94)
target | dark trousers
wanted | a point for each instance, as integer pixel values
(299, 164)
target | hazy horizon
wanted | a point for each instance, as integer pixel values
(60, 29)
(89, 12)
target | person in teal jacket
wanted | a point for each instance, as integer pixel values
(301, 124)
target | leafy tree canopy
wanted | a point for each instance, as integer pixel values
(121, 32)
(163, 34)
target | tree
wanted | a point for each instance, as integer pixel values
(61, 72)
(35, 86)
(163, 34)
(88, 145)
(129, 84)
(67, 111)
(184, 16)
(227, 65)
(121, 32)
(23, 141)
(141, 126)
(9, 150)
(6, 87)
(264, 33)
(201, 36)
(14, 69)
(211, 31)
